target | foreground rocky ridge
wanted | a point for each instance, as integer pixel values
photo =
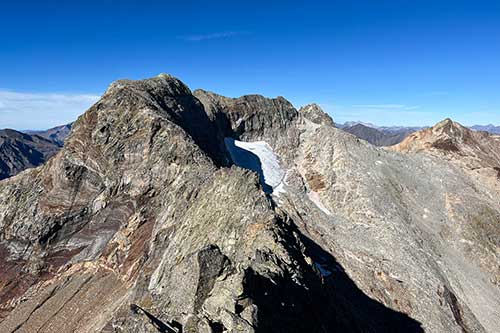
(143, 223)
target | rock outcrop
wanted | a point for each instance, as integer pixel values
(314, 113)
(144, 222)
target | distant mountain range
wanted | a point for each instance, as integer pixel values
(384, 136)
(57, 134)
(487, 128)
(20, 151)
(379, 137)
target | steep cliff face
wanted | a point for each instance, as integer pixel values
(249, 117)
(407, 228)
(145, 222)
(254, 118)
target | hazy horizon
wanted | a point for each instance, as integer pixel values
(61, 109)
(391, 63)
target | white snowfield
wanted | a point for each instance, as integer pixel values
(258, 156)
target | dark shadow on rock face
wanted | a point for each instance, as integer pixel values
(329, 301)
(162, 327)
(211, 262)
(191, 116)
(202, 129)
(19, 156)
(248, 160)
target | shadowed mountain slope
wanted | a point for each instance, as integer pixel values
(19, 151)
(378, 137)
(56, 134)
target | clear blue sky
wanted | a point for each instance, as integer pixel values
(386, 62)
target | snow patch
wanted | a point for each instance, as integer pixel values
(258, 156)
(280, 189)
(314, 197)
(323, 269)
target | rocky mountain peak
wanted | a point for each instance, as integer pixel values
(151, 218)
(250, 116)
(313, 112)
(159, 99)
(475, 151)
(446, 136)
(159, 86)
(445, 122)
(450, 128)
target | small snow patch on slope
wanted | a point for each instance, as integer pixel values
(258, 156)
(323, 269)
(314, 196)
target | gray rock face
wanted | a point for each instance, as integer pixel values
(254, 118)
(397, 219)
(142, 223)
(251, 116)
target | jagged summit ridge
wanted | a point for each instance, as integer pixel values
(249, 115)
(450, 128)
(315, 113)
(163, 84)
